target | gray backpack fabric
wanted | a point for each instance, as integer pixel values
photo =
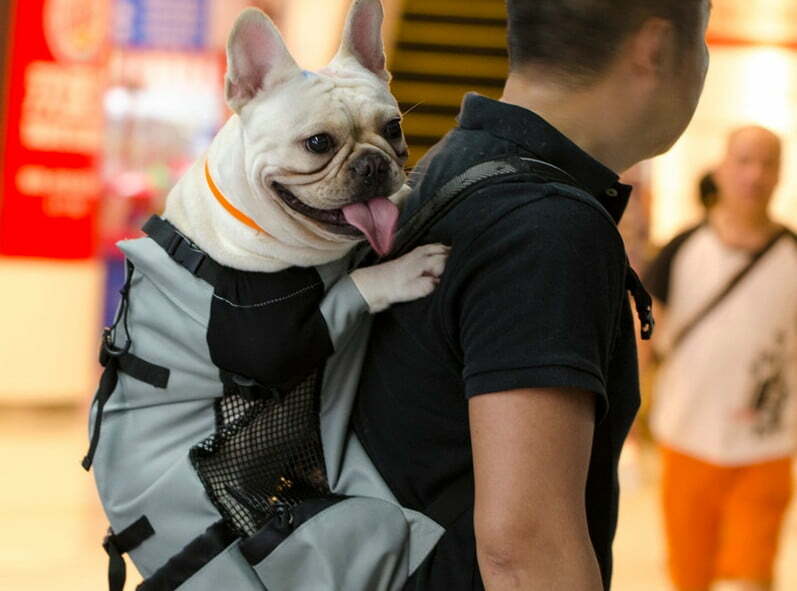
(211, 480)
(146, 467)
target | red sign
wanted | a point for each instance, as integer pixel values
(54, 128)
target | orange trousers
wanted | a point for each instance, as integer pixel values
(722, 522)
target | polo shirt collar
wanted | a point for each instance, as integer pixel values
(536, 136)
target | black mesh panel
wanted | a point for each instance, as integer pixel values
(265, 454)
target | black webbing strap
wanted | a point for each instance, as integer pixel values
(109, 358)
(453, 501)
(118, 544)
(182, 250)
(119, 360)
(643, 302)
(115, 359)
(687, 329)
(144, 371)
(107, 385)
(250, 389)
(191, 559)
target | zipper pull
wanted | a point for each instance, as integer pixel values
(283, 517)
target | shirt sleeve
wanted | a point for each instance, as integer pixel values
(535, 299)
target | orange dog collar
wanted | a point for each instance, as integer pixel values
(237, 214)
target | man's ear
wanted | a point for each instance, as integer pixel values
(362, 37)
(655, 47)
(257, 58)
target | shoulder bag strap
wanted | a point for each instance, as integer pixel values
(706, 310)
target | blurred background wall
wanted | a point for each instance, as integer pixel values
(752, 79)
(107, 101)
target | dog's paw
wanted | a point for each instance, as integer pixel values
(413, 276)
(400, 196)
(419, 272)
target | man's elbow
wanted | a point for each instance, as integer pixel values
(511, 546)
(534, 550)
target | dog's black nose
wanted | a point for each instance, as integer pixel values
(371, 168)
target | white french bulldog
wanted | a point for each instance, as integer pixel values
(310, 163)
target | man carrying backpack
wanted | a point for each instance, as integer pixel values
(518, 376)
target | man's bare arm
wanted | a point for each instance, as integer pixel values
(531, 451)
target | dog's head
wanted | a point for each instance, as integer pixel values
(327, 146)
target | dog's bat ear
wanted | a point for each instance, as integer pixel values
(362, 37)
(257, 58)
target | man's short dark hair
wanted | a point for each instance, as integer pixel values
(708, 191)
(579, 38)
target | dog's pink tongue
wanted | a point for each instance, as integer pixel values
(377, 219)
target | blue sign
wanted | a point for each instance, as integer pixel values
(163, 24)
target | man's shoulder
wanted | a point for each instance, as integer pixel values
(676, 243)
(790, 235)
(536, 204)
(533, 212)
(658, 276)
(787, 247)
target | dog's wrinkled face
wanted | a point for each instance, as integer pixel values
(327, 141)
(328, 146)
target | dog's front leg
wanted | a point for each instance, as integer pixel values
(400, 196)
(410, 277)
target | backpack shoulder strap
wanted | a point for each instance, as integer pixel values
(183, 251)
(452, 501)
(511, 168)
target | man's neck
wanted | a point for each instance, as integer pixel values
(588, 117)
(742, 231)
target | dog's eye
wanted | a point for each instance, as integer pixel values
(319, 144)
(393, 130)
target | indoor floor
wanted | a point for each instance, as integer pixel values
(51, 524)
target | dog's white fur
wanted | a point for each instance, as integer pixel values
(277, 107)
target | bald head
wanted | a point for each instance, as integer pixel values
(756, 137)
(750, 170)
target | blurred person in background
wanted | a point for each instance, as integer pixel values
(724, 408)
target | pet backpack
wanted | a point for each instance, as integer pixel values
(220, 435)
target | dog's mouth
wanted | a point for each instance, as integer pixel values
(375, 219)
(333, 218)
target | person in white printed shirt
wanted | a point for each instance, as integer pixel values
(725, 402)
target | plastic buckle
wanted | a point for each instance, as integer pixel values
(251, 390)
(193, 260)
(246, 387)
(283, 516)
(109, 349)
(174, 243)
(109, 541)
(648, 323)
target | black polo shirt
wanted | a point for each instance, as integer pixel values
(533, 296)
